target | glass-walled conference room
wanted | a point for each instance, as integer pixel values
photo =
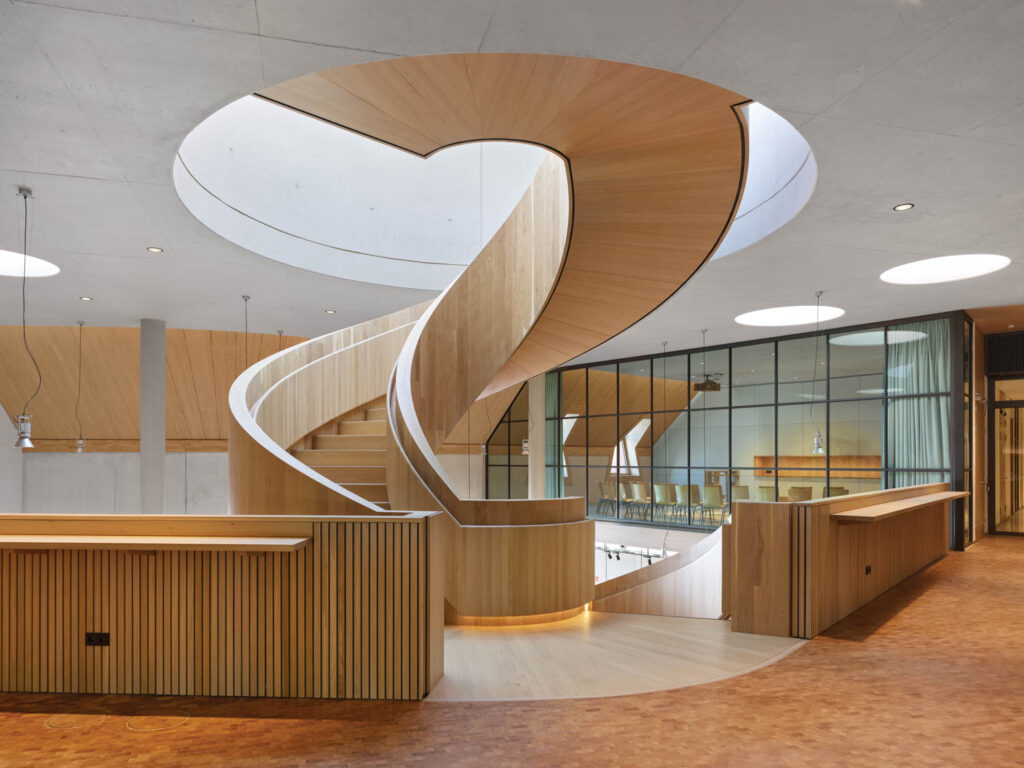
(676, 439)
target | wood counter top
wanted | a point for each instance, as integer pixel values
(151, 543)
(888, 509)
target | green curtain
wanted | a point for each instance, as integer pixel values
(918, 427)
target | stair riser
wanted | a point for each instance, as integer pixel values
(341, 458)
(362, 428)
(344, 475)
(349, 442)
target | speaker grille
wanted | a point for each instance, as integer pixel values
(1004, 353)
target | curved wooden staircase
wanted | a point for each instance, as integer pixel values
(642, 182)
(350, 450)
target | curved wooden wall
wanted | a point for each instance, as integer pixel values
(687, 584)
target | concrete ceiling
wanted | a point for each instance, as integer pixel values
(900, 100)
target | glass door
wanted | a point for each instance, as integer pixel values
(1007, 451)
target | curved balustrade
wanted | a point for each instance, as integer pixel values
(285, 396)
(643, 181)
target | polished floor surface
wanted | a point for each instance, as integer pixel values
(597, 654)
(929, 674)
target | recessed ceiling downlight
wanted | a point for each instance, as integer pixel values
(903, 207)
(945, 269)
(13, 264)
(155, 249)
(799, 315)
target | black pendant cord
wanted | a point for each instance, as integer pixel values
(703, 403)
(24, 328)
(78, 398)
(817, 339)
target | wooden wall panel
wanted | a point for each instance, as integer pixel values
(200, 368)
(761, 560)
(356, 614)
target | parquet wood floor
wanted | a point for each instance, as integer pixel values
(929, 674)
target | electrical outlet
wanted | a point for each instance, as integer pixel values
(97, 639)
(867, 570)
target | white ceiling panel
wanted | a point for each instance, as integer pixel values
(401, 27)
(900, 100)
(656, 33)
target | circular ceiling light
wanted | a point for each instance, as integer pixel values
(154, 249)
(330, 311)
(945, 269)
(800, 315)
(85, 298)
(876, 338)
(14, 264)
(903, 207)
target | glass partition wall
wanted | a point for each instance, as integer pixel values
(674, 439)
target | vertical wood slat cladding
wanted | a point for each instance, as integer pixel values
(229, 623)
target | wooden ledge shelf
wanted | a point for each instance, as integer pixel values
(41, 542)
(892, 508)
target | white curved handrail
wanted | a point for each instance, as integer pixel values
(246, 399)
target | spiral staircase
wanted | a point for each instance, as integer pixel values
(642, 181)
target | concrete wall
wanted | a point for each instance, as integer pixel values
(108, 483)
(11, 463)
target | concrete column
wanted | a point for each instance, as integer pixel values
(12, 468)
(152, 415)
(536, 435)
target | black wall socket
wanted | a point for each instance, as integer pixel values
(867, 569)
(97, 638)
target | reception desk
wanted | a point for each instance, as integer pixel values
(320, 607)
(795, 569)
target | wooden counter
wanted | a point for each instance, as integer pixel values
(318, 607)
(152, 543)
(875, 512)
(797, 568)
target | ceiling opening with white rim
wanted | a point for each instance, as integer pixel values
(316, 196)
(310, 194)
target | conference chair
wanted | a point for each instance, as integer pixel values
(800, 493)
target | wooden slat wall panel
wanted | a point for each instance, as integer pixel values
(346, 617)
(201, 365)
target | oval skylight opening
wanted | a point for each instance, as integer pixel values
(798, 315)
(945, 269)
(13, 265)
(876, 338)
